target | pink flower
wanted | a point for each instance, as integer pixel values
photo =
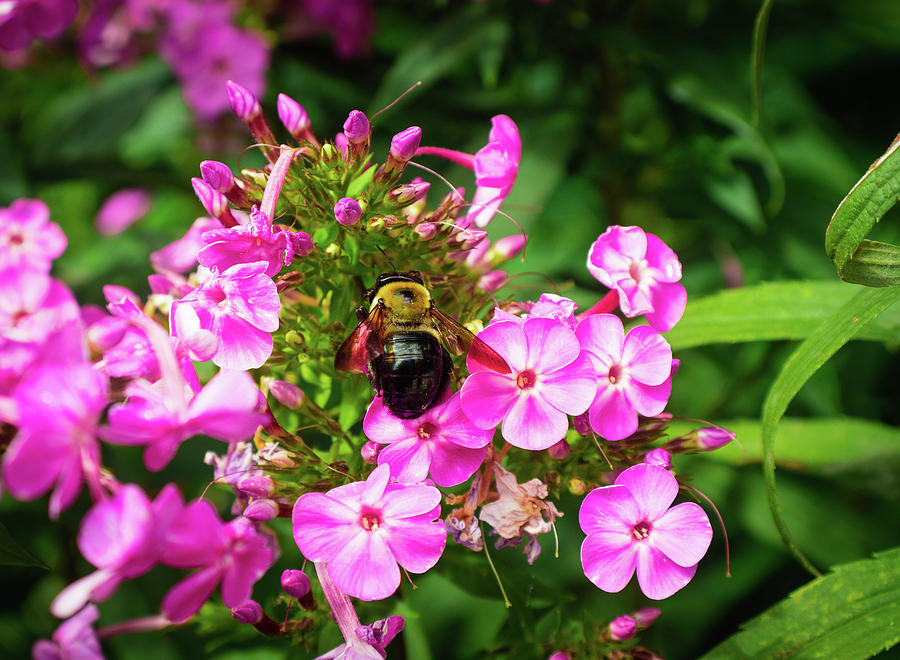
(550, 379)
(240, 308)
(121, 210)
(644, 271)
(235, 554)
(27, 237)
(350, 22)
(181, 256)
(622, 628)
(496, 167)
(630, 526)
(441, 441)
(255, 241)
(548, 306)
(121, 536)
(365, 529)
(27, 20)
(75, 638)
(152, 415)
(633, 373)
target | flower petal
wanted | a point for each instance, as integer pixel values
(417, 545)
(611, 414)
(508, 339)
(381, 426)
(647, 355)
(572, 388)
(365, 568)
(533, 423)
(452, 464)
(659, 576)
(608, 560)
(653, 488)
(609, 509)
(184, 599)
(407, 501)
(649, 400)
(322, 526)
(454, 427)
(487, 397)
(683, 533)
(669, 301)
(409, 460)
(241, 344)
(604, 336)
(551, 345)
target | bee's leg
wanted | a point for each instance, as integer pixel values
(362, 313)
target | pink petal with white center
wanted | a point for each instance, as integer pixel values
(485, 205)
(452, 464)
(611, 414)
(533, 423)
(649, 400)
(365, 568)
(604, 336)
(241, 345)
(184, 599)
(322, 526)
(454, 427)
(659, 576)
(416, 544)
(408, 501)
(609, 509)
(663, 260)
(572, 388)
(608, 560)
(409, 460)
(683, 533)
(653, 488)
(647, 355)
(487, 397)
(633, 298)
(669, 301)
(551, 345)
(508, 339)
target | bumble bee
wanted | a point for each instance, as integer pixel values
(400, 345)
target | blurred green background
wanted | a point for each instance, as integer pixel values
(630, 112)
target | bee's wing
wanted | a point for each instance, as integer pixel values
(363, 344)
(457, 338)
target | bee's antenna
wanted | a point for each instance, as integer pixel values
(387, 257)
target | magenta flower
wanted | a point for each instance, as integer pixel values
(234, 554)
(351, 23)
(630, 526)
(496, 167)
(441, 442)
(548, 306)
(152, 415)
(622, 628)
(550, 379)
(181, 256)
(121, 536)
(74, 639)
(258, 240)
(347, 211)
(634, 373)
(240, 308)
(644, 271)
(27, 20)
(121, 210)
(58, 407)
(27, 237)
(365, 529)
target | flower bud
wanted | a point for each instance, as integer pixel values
(492, 280)
(645, 616)
(218, 175)
(713, 437)
(248, 612)
(297, 585)
(370, 452)
(329, 153)
(214, 202)
(356, 128)
(261, 510)
(405, 143)
(577, 486)
(333, 250)
(243, 102)
(582, 424)
(261, 487)
(377, 223)
(559, 655)
(509, 247)
(294, 339)
(425, 230)
(468, 238)
(347, 211)
(409, 193)
(659, 457)
(560, 450)
(622, 628)
(294, 118)
(287, 394)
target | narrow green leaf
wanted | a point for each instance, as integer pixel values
(821, 344)
(874, 264)
(850, 613)
(771, 311)
(13, 554)
(756, 58)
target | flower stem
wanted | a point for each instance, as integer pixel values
(607, 304)
(458, 157)
(141, 624)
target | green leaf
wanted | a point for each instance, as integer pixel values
(850, 613)
(13, 554)
(756, 57)
(874, 264)
(770, 311)
(821, 344)
(872, 196)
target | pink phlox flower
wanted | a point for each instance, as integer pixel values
(630, 527)
(350, 22)
(441, 442)
(240, 308)
(162, 417)
(27, 20)
(548, 306)
(121, 210)
(550, 379)
(365, 529)
(57, 409)
(634, 373)
(74, 639)
(108, 37)
(123, 537)
(377, 635)
(496, 167)
(181, 256)
(28, 240)
(644, 271)
(258, 240)
(231, 555)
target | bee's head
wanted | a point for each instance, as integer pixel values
(403, 294)
(389, 278)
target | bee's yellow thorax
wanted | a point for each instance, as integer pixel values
(405, 301)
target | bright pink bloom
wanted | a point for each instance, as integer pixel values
(162, 419)
(240, 307)
(441, 441)
(27, 237)
(496, 167)
(351, 23)
(121, 210)
(258, 240)
(634, 373)
(57, 407)
(27, 20)
(181, 255)
(235, 554)
(121, 536)
(364, 529)
(548, 306)
(75, 639)
(551, 378)
(644, 271)
(631, 527)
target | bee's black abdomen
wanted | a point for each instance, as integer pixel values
(411, 373)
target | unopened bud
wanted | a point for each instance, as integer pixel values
(333, 250)
(509, 246)
(492, 280)
(287, 394)
(376, 223)
(301, 243)
(659, 457)
(347, 211)
(294, 118)
(370, 452)
(609, 478)
(261, 510)
(329, 153)
(248, 612)
(243, 102)
(559, 655)
(216, 174)
(577, 486)
(425, 230)
(356, 128)
(260, 487)
(296, 584)
(214, 202)
(582, 424)
(622, 628)
(560, 450)
(409, 193)
(405, 143)
(713, 437)
(294, 339)
(646, 616)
